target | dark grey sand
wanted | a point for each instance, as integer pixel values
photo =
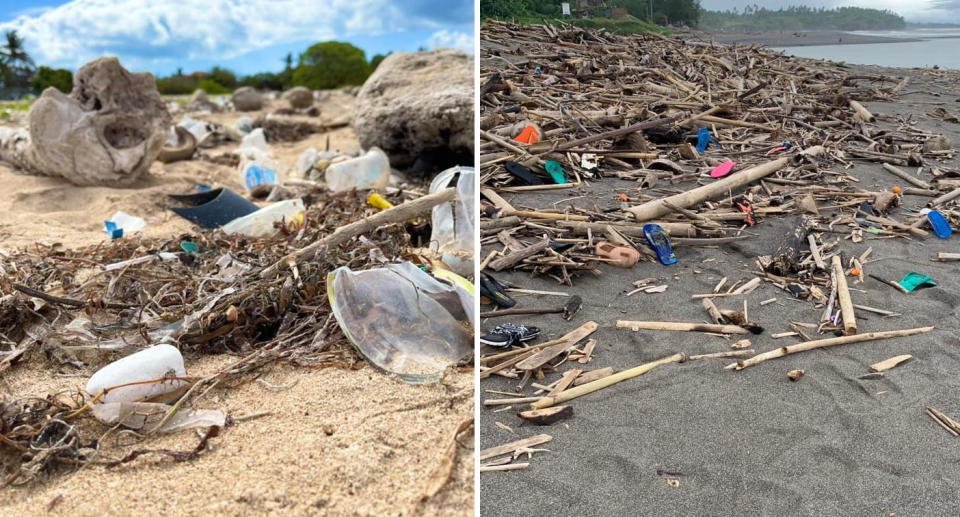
(749, 442)
(799, 38)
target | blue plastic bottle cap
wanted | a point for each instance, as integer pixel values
(112, 230)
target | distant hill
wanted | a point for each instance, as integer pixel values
(801, 18)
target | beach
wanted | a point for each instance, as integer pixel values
(695, 438)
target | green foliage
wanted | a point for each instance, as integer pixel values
(47, 77)
(223, 77)
(643, 13)
(263, 81)
(802, 18)
(213, 87)
(16, 66)
(177, 85)
(331, 65)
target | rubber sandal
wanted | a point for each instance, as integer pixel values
(620, 255)
(940, 225)
(555, 171)
(523, 173)
(490, 288)
(744, 206)
(723, 169)
(658, 240)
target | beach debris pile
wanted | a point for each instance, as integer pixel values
(267, 297)
(715, 140)
(418, 108)
(107, 131)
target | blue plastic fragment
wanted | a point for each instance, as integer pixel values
(941, 227)
(704, 138)
(112, 230)
(257, 175)
(203, 188)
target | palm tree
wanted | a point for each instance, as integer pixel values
(16, 63)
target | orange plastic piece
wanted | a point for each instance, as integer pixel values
(897, 190)
(529, 135)
(856, 272)
(623, 197)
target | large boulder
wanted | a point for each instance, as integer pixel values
(419, 106)
(107, 131)
(299, 97)
(247, 99)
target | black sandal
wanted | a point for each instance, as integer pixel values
(490, 288)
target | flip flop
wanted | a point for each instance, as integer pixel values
(620, 255)
(723, 169)
(704, 138)
(490, 288)
(658, 240)
(523, 173)
(940, 225)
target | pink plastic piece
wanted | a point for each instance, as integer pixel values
(723, 169)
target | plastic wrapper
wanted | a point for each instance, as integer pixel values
(403, 320)
(453, 223)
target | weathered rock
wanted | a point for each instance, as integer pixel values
(247, 99)
(200, 101)
(419, 106)
(106, 132)
(299, 97)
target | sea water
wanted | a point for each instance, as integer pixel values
(936, 47)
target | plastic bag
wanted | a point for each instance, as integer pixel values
(402, 320)
(453, 223)
(148, 415)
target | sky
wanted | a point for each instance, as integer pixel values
(246, 36)
(912, 10)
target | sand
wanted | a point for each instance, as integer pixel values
(338, 442)
(748, 442)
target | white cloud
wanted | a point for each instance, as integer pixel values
(446, 39)
(145, 31)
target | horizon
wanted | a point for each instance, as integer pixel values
(164, 38)
(912, 11)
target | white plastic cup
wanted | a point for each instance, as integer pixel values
(156, 362)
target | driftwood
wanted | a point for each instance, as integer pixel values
(887, 364)
(685, 327)
(843, 298)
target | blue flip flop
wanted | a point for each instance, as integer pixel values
(704, 138)
(658, 240)
(940, 225)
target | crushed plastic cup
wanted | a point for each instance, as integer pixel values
(402, 320)
(160, 363)
(453, 223)
(369, 171)
(122, 224)
(198, 128)
(263, 222)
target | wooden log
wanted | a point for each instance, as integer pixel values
(887, 364)
(591, 376)
(684, 327)
(509, 448)
(815, 253)
(712, 310)
(397, 214)
(545, 215)
(517, 256)
(860, 113)
(823, 343)
(599, 384)
(547, 416)
(631, 230)
(950, 196)
(640, 126)
(843, 297)
(905, 176)
(947, 257)
(657, 208)
(568, 340)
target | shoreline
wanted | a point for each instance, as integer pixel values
(801, 38)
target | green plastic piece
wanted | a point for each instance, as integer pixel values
(914, 280)
(189, 247)
(555, 171)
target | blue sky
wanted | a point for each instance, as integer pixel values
(246, 36)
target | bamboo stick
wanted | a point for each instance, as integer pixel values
(843, 296)
(823, 343)
(950, 196)
(509, 448)
(657, 208)
(684, 327)
(605, 382)
(905, 176)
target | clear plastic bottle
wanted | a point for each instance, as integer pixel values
(370, 170)
(257, 165)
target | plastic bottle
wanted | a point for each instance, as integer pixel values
(368, 171)
(261, 222)
(257, 165)
(453, 223)
(156, 362)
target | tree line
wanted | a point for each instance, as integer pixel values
(802, 18)
(662, 12)
(326, 65)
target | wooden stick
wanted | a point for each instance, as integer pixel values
(397, 214)
(950, 196)
(517, 256)
(509, 448)
(887, 364)
(946, 422)
(504, 402)
(843, 297)
(571, 338)
(599, 384)
(905, 176)
(712, 310)
(822, 343)
(656, 208)
(815, 252)
(546, 215)
(496, 468)
(647, 124)
(564, 382)
(684, 327)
